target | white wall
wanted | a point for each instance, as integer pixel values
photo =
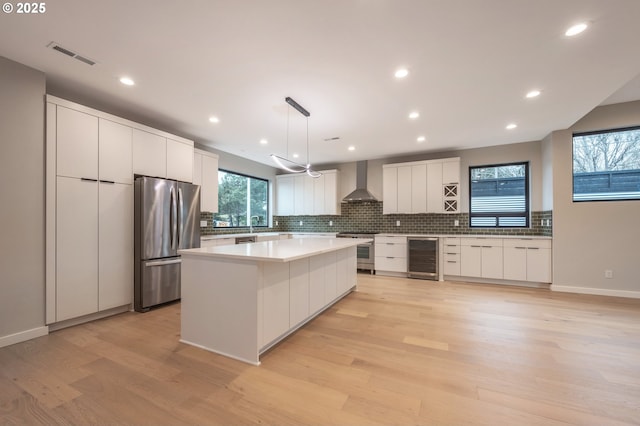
(22, 269)
(591, 237)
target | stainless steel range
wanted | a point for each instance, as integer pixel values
(366, 250)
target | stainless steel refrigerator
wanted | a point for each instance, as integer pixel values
(167, 218)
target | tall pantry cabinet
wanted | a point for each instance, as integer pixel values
(90, 227)
(92, 158)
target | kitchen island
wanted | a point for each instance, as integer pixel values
(240, 300)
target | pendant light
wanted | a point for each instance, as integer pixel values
(285, 163)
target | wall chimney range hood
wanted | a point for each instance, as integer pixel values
(361, 193)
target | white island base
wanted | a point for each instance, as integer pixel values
(239, 301)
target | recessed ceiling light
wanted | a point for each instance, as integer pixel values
(401, 73)
(214, 119)
(264, 141)
(576, 29)
(352, 148)
(421, 139)
(127, 81)
(511, 126)
(414, 115)
(533, 94)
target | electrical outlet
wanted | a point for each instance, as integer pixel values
(608, 273)
(203, 223)
(541, 222)
(330, 223)
(548, 222)
(276, 223)
(456, 222)
(300, 223)
(397, 223)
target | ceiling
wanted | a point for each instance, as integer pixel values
(470, 65)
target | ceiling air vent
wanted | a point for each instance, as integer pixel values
(335, 138)
(55, 46)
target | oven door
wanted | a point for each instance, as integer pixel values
(365, 256)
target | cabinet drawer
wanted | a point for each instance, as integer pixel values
(451, 266)
(480, 242)
(208, 243)
(391, 240)
(452, 241)
(391, 250)
(451, 248)
(394, 264)
(225, 241)
(527, 242)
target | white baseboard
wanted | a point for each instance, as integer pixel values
(23, 336)
(596, 291)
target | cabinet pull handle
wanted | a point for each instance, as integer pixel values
(451, 261)
(452, 253)
(476, 246)
(487, 246)
(88, 180)
(521, 248)
(107, 181)
(389, 257)
(534, 248)
(452, 245)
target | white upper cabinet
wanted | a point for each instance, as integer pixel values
(285, 195)
(421, 186)
(179, 160)
(404, 189)
(205, 174)
(300, 194)
(115, 152)
(434, 187)
(318, 195)
(390, 189)
(451, 171)
(77, 144)
(149, 154)
(331, 201)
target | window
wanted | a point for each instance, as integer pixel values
(242, 201)
(499, 196)
(606, 165)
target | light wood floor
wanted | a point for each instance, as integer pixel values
(398, 351)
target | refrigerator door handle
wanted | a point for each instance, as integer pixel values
(173, 221)
(162, 262)
(180, 218)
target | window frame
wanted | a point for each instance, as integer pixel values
(497, 215)
(573, 176)
(268, 211)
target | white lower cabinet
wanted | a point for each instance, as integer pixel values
(451, 256)
(94, 245)
(275, 301)
(317, 280)
(115, 245)
(527, 259)
(76, 248)
(292, 292)
(391, 254)
(299, 291)
(481, 257)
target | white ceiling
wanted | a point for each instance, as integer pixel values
(471, 63)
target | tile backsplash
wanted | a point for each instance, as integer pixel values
(368, 217)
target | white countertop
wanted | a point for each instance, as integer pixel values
(521, 237)
(276, 251)
(265, 234)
